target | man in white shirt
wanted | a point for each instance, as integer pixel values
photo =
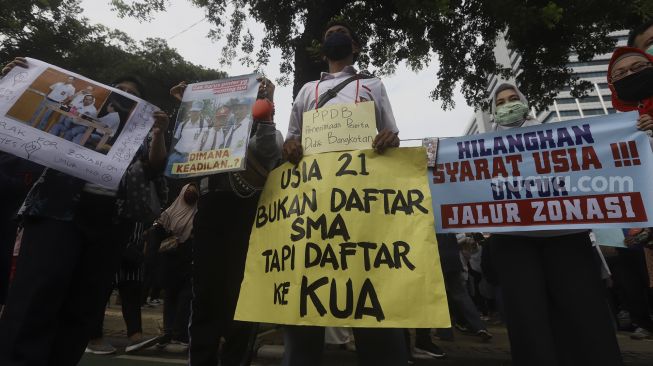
(78, 98)
(68, 125)
(60, 92)
(367, 89)
(188, 132)
(214, 139)
(189, 135)
(340, 47)
(111, 120)
(238, 134)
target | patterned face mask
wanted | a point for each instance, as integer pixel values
(511, 113)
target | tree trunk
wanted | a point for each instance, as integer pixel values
(307, 68)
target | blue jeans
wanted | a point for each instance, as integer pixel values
(75, 133)
(43, 105)
(61, 126)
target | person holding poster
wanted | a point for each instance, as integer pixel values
(340, 47)
(225, 214)
(556, 312)
(73, 237)
(630, 78)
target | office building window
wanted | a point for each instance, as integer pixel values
(591, 74)
(601, 86)
(590, 63)
(581, 100)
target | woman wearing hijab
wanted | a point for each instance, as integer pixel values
(556, 312)
(630, 78)
(177, 221)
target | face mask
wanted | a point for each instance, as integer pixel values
(190, 197)
(635, 87)
(511, 113)
(650, 50)
(337, 46)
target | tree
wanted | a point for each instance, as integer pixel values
(460, 33)
(55, 32)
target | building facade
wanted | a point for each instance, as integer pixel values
(565, 107)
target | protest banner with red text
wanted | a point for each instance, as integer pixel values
(569, 175)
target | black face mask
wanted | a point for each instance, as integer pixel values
(337, 46)
(635, 87)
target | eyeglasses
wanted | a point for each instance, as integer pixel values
(634, 68)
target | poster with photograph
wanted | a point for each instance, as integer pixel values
(70, 123)
(213, 127)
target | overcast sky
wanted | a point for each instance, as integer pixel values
(417, 116)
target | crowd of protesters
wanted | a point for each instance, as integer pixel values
(560, 297)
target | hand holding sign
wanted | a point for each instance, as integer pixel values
(161, 121)
(18, 61)
(293, 151)
(177, 91)
(645, 123)
(385, 139)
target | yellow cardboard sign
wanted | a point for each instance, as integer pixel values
(338, 127)
(346, 239)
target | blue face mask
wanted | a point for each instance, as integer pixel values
(650, 50)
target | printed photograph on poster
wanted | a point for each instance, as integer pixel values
(70, 123)
(431, 145)
(213, 127)
(83, 112)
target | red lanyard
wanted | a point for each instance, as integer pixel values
(317, 94)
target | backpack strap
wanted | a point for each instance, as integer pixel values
(331, 93)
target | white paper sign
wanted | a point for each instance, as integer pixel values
(70, 123)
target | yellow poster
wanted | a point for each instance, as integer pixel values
(338, 127)
(346, 239)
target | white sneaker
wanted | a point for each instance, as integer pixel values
(140, 344)
(103, 348)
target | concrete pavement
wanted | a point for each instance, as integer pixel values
(465, 350)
